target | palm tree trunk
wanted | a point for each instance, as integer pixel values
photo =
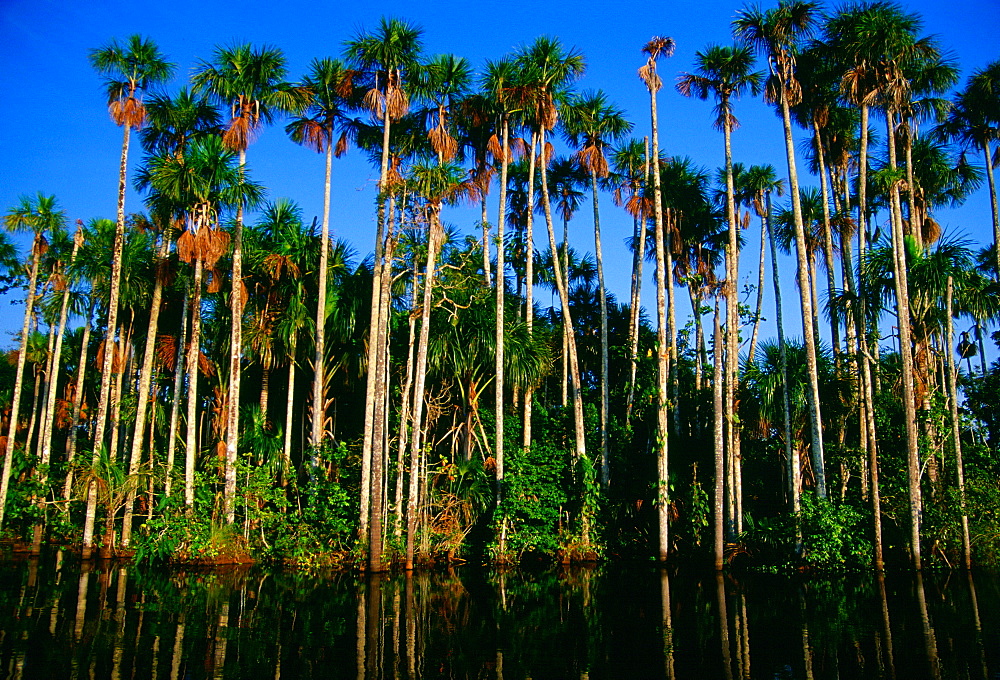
(286, 449)
(718, 504)
(662, 427)
(500, 321)
(791, 456)
(732, 329)
(831, 281)
(605, 467)
(808, 331)
(994, 212)
(376, 332)
(145, 379)
(175, 408)
(194, 351)
(22, 356)
(319, 361)
(433, 243)
(74, 426)
(235, 357)
(639, 233)
(580, 450)
(406, 408)
(760, 289)
(529, 274)
(380, 415)
(484, 219)
(112, 325)
(906, 355)
(956, 437)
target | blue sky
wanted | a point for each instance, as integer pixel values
(56, 136)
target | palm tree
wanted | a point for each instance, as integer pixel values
(387, 55)
(550, 68)
(205, 182)
(252, 83)
(172, 123)
(130, 70)
(39, 214)
(631, 164)
(591, 123)
(659, 46)
(331, 86)
(727, 73)
(436, 185)
(974, 121)
(777, 33)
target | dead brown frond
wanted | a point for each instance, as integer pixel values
(341, 147)
(186, 247)
(240, 133)
(495, 149)
(931, 231)
(128, 111)
(375, 102)
(647, 73)
(547, 153)
(592, 159)
(214, 279)
(442, 142)
(166, 352)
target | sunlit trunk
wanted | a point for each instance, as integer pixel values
(808, 330)
(22, 356)
(175, 407)
(529, 273)
(319, 359)
(605, 466)
(906, 355)
(194, 350)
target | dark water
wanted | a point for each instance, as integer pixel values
(111, 621)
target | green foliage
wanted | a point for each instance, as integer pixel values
(534, 499)
(833, 536)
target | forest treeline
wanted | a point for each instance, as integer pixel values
(209, 377)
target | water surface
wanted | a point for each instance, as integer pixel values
(61, 620)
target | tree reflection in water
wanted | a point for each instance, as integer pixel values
(105, 620)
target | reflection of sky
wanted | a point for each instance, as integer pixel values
(57, 138)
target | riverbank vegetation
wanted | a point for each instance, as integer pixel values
(209, 378)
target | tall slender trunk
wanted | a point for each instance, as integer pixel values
(319, 360)
(74, 425)
(760, 289)
(791, 455)
(45, 441)
(376, 331)
(831, 280)
(500, 356)
(286, 448)
(732, 331)
(484, 219)
(639, 230)
(718, 439)
(145, 379)
(662, 351)
(605, 465)
(419, 381)
(406, 410)
(194, 351)
(808, 330)
(529, 275)
(175, 408)
(112, 325)
(22, 356)
(906, 354)
(580, 449)
(235, 357)
(994, 212)
(956, 435)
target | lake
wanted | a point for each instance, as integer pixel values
(59, 619)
